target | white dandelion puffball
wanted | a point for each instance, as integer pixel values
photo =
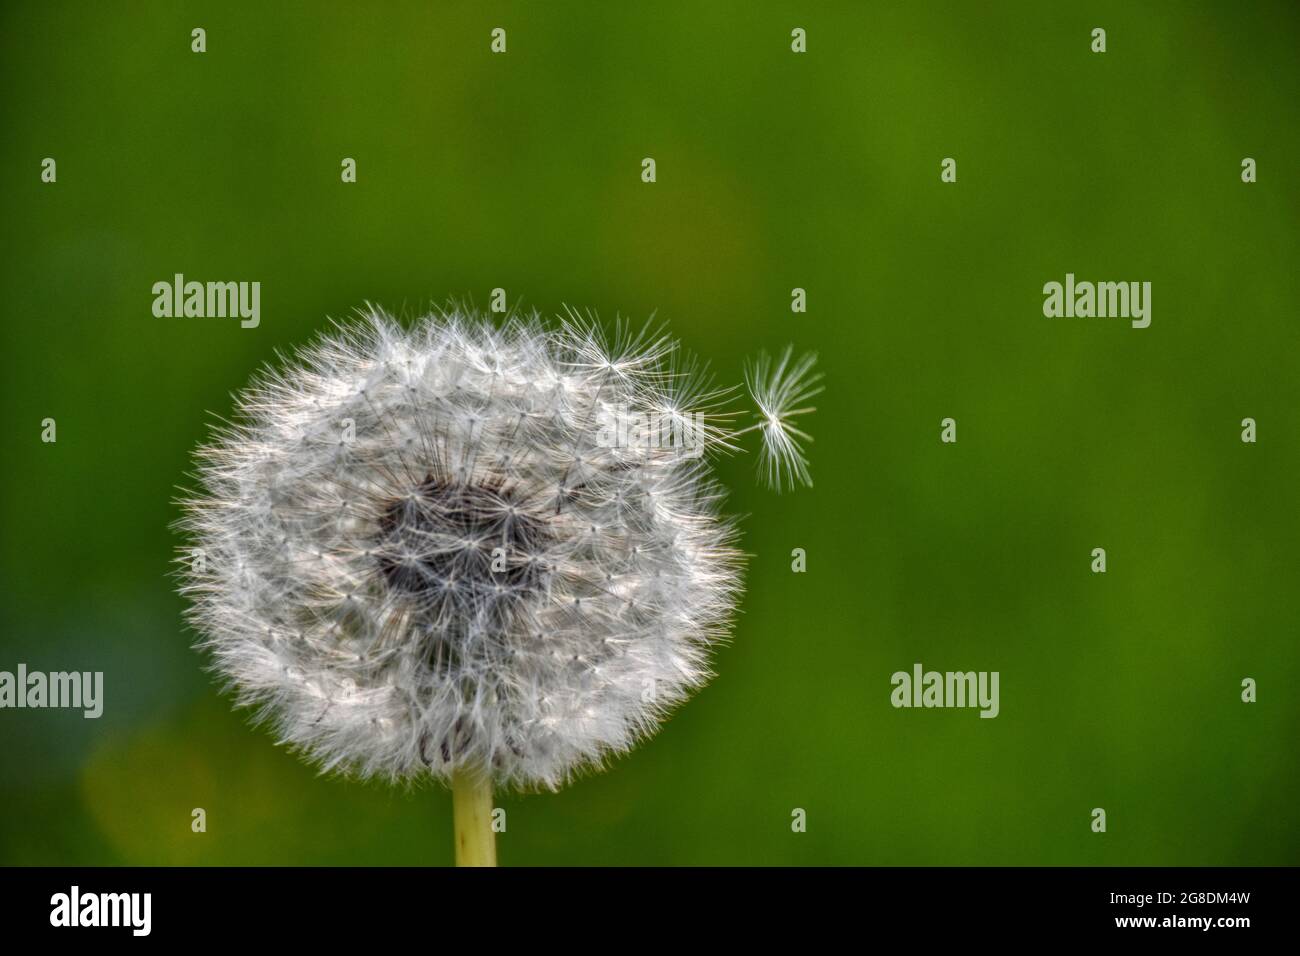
(464, 547)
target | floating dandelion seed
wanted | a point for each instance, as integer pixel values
(432, 552)
(780, 392)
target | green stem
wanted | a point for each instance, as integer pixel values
(471, 802)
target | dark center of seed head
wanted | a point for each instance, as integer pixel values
(467, 549)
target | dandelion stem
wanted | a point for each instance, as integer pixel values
(471, 802)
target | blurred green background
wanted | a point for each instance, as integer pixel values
(775, 170)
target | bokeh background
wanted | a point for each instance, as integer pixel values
(775, 170)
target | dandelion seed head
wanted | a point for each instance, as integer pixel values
(422, 555)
